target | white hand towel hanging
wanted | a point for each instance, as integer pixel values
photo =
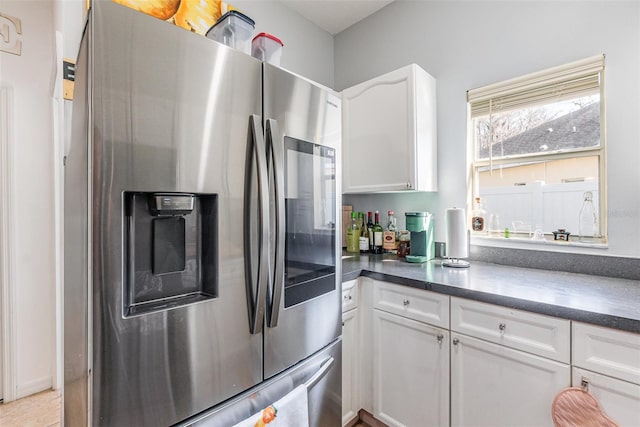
(290, 411)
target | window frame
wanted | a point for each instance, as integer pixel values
(540, 85)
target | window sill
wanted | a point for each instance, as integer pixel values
(517, 241)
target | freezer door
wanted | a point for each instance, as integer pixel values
(321, 374)
(170, 115)
(302, 134)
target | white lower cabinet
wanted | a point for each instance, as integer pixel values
(427, 359)
(608, 361)
(619, 400)
(493, 385)
(507, 365)
(410, 372)
(350, 352)
(350, 365)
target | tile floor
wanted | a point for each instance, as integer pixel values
(39, 410)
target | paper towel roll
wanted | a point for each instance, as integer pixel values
(457, 236)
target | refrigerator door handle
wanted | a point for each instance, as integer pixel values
(276, 156)
(256, 301)
(320, 373)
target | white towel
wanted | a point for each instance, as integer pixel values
(290, 411)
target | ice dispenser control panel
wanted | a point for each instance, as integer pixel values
(171, 204)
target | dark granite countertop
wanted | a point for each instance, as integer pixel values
(598, 300)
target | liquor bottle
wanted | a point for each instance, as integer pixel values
(364, 234)
(389, 236)
(370, 231)
(404, 244)
(377, 234)
(353, 234)
(588, 225)
(478, 217)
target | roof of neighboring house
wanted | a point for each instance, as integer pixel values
(580, 128)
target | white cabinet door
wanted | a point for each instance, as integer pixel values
(389, 133)
(492, 385)
(350, 366)
(619, 400)
(411, 372)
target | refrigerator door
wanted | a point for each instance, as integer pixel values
(170, 113)
(303, 135)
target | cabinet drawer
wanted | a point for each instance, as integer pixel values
(423, 306)
(349, 295)
(535, 333)
(608, 351)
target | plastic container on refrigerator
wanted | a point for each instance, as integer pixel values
(267, 47)
(233, 29)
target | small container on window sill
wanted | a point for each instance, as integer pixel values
(561, 234)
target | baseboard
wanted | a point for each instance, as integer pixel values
(353, 422)
(369, 419)
(33, 387)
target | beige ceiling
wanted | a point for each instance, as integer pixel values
(334, 16)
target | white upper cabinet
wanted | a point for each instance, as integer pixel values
(389, 133)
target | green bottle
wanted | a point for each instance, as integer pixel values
(353, 234)
(370, 231)
(377, 234)
(364, 234)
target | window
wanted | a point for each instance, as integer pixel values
(538, 146)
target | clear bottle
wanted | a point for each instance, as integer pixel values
(588, 225)
(494, 225)
(478, 217)
(364, 234)
(389, 236)
(377, 234)
(353, 234)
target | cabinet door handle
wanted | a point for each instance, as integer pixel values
(502, 327)
(455, 341)
(584, 383)
(440, 337)
(405, 302)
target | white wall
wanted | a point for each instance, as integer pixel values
(468, 44)
(30, 75)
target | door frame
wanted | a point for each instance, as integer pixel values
(7, 244)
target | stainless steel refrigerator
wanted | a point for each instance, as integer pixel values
(202, 268)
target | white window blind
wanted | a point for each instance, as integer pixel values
(563, 82)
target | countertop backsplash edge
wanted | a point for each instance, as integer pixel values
(596, 265)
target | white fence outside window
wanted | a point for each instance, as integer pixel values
(538, 205)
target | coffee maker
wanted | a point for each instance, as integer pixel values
(420, 224)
